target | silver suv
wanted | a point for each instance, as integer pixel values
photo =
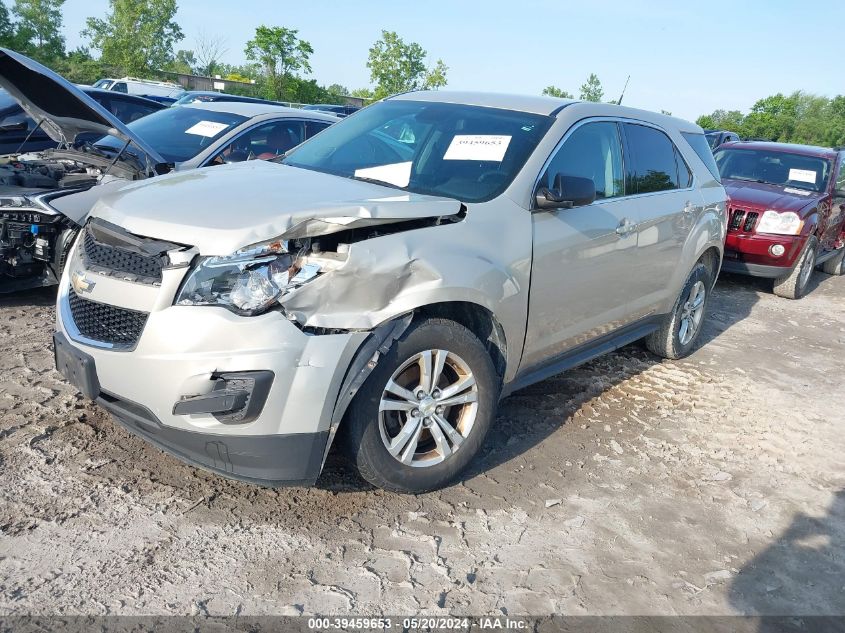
(387, 282)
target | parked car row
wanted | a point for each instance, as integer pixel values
(47, 194)
(383, 284)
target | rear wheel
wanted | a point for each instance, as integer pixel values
(681, 329)
(794, 285)
(422, 414)
(836, 264)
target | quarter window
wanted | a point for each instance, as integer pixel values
(652, 166)
(592, 151)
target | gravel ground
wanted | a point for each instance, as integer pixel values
(631, 485)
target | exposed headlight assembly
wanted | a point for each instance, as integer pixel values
(780, 223)
(248, 282)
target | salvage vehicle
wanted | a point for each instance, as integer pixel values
(46, 195)
(388, 281)
(787, 212)
(19, 134)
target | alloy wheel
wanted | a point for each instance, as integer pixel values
(692, 313)
(428, 408)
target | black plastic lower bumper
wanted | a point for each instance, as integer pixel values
(265, 460)
(755, 270)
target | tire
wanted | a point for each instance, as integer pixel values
(794, 285)
(681, 329)
(836, 264)
(378, 418)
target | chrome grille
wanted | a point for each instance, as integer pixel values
(736, 219)
(120, 327)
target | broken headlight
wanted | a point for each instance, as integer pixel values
(248, 282)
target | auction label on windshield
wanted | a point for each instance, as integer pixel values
(489, 147)
(206, 128)
(803, 175)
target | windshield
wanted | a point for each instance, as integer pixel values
(465, 152)
(713, 139)
(774, 168)
(178, 134)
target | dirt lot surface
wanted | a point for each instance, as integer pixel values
(714, 485)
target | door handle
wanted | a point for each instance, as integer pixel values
(625, 227)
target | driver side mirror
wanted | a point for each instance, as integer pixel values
(567, 192)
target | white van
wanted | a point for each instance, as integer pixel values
(141, 87)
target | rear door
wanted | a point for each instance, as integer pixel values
(581, 284)
(667, 208)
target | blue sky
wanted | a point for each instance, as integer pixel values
(685, 56)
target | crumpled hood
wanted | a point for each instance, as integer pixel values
(221, 209)
(62, 109)
(764, 196)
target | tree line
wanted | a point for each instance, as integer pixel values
(141, 37)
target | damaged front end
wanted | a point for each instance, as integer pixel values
(264, 276)
(34, 242)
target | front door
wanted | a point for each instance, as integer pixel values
(581, 285)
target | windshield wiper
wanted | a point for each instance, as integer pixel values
(376, 181)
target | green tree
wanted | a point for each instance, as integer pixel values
(136, 35)
(363, 93)
(554, 91)
(281, 54)
(7, 29)
(592, 90)
(39, 25)
(337, 90)
(184, 62)
(398, 67)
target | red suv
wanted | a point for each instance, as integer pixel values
(786, 212)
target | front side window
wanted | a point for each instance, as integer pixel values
(651, 166)
(772, 167)
(178, 134)
(263, 142)
(314, 127)
(592, 151)
(469, 153)
(840, 181)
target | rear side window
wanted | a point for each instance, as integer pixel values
(120, 87)
(652, 166)
(699, 144)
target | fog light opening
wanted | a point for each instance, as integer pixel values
(777, 250)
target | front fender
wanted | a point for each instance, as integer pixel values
(391, 275)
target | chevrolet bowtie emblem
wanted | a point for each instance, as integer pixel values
(80, 283)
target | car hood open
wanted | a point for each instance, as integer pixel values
(222, 209)
(764, 196)
(62, 110)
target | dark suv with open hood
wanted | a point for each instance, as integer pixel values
(787, 212)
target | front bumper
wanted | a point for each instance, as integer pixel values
(182, 353)
(748, 254)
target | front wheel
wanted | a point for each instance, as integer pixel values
(680, 330)
(794, 285)
(422, 414)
